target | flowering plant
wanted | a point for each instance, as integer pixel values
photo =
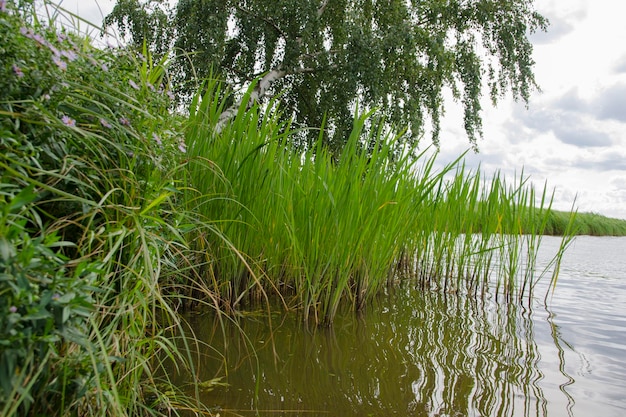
(87, 147)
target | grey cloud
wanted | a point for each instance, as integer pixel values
(618, 182)
(557, 29)
(571, 101)
(560, 25)
(604, 162)
(568, 127)
(620, 65)
(612, 103)
(571, 118)
(582, 136)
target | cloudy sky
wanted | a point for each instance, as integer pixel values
(573, 133)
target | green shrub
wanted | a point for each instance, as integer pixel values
(89, 236)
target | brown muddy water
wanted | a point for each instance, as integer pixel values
(415, 353)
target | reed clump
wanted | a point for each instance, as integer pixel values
(320, 229)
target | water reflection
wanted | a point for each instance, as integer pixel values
(412, 353)
(558, 342)
(420, 353)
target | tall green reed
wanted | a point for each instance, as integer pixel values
(320, 228)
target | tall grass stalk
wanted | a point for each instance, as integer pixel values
(322, 229)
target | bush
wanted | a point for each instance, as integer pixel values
(88, 234)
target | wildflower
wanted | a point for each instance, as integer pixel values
(3, 6)
(53, 49)
(18, 71)
(70, 55)
(124, 121)
(182, 147)
(170, 95)
(24, 31)
(13, 309)
(39, 39)
(60, 63)
(157, 139)
(74, 46)
(104, 67)
(46, 97)
(68, 121)
(133, 84)
(150, 86)
(106, 124)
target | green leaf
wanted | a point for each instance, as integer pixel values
(24, 197)
(7, 250)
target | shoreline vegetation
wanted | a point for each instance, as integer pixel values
(585, 223)
(117, 213)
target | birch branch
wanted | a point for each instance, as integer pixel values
(320, 11)
(259, 91)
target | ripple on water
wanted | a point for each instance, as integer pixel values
(426, 354)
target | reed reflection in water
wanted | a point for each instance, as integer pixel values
(412, 353)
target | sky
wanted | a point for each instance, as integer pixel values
(572, 134)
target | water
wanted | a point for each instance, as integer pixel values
(428, 354)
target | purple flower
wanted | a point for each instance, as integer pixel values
(157, 139)
(13, 309)
(18, 71)
(3, 6)
(106, 124)
(60, 63)
(133, 84)
(70, 55)
(182, 147)
(68, 121)
(170, 95)
(53, 49)
(39, 39)
(124, 121)
(56, 297)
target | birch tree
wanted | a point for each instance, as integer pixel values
(400, 56)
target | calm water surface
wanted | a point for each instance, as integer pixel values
(428, 354)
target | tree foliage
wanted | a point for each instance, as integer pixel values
(146, 22)
(328, 56)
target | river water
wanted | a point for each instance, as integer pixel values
(414, 353)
